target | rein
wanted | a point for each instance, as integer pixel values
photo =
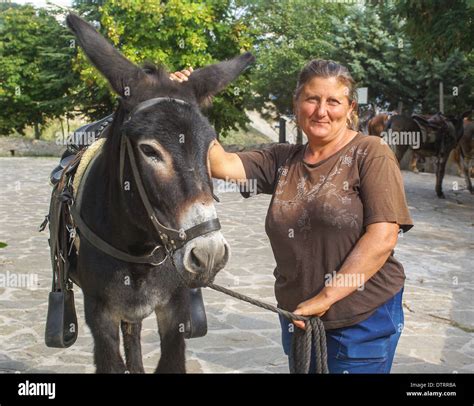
(304, 343)
(171, 239)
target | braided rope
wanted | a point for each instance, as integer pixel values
(301, 346)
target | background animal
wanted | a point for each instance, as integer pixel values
(438, 135)
(377, 123)
(463, 153)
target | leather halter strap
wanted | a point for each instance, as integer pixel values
(151, 102)
(157, 256)
(171, 238)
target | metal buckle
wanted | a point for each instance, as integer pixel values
(182, 234)
(153, 254)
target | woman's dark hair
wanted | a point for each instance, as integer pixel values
(323, 68)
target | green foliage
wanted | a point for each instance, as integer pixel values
(371, 44)
(249, 137)
(457, 74)
(401, 50)
(35, 70)
(288, 33)
(369, 40)
(176, 34)
(442, 37)
(436, 27)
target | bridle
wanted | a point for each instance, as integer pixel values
(171, 239)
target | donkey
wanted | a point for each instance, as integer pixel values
(376, 126)
(447, 131)
(158, 147)
(463, 153)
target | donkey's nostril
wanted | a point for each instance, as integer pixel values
(195, 260)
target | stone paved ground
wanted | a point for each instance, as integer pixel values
(438, 299)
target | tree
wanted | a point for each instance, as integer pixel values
(457, 74)
(176, 34)
(437, 28)
(287, 34)
(368, 39)
(442, 34)
(35, 70)
(370, 42)
(400, 50)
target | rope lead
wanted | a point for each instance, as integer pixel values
(300, 355)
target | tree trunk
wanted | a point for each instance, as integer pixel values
(400, 107)
(62, 127)
(37, 131)
(282, 130)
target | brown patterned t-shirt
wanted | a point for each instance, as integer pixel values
(319, 211)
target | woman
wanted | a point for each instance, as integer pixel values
(337, 208)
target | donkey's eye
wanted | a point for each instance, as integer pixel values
(151, 152)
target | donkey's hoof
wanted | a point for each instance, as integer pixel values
(170, 370)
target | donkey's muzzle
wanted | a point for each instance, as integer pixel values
(207, 255)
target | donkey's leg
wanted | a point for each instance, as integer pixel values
(132, 346)
(105, 330)
(400, 152)
(413, 162)
(171, 322)
(456, 154)
(466, 170)
(440, 168)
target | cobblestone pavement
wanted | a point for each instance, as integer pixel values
(436, 254)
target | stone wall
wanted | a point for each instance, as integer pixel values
(12, 146)
(21, 147)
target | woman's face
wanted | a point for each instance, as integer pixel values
(322, 108)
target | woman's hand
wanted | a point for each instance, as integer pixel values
(366, 258)
(181, 76)
(223, 165)
(315, 306)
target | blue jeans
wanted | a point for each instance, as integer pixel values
(366, 347)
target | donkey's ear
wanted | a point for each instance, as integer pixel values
(119, 71)
(208, 81)
(466, 113)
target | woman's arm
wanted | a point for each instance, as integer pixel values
(225, 165)
(367, 257)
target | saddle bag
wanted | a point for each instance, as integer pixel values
(196, 326)
(61, 321)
